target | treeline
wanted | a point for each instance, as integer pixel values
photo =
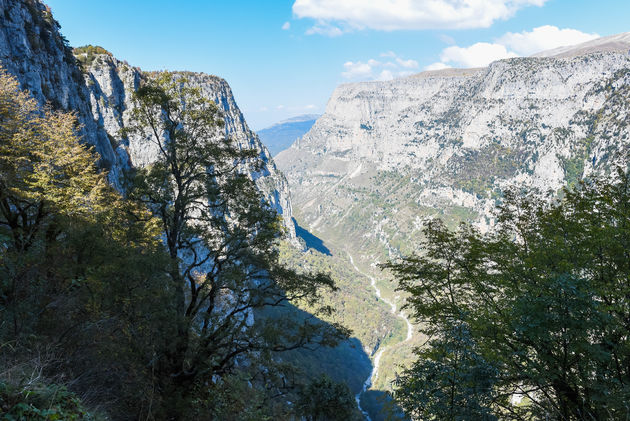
(149, 304)
(530, 321)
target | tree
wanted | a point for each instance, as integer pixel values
(45, 175)
(449, 381)
(544, 299)
(82, 279)
(221, 238)
(326, 400)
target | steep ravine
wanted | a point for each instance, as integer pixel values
(376, 360)
(387, 156)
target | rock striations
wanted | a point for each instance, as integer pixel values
(111, 82)
(447, 143)
(32, 48)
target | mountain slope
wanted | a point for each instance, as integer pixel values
(110, 84)
(33, 49)
(441, 141)
(619, 43)
(100, 90)
(281, 135)
(386, 155)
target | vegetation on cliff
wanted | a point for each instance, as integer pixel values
(86, 54)
(529, 321)
(142, 305)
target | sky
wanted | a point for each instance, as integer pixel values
(284, 58)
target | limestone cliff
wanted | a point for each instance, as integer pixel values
(447, 143)
(33, 49)
(110, 84)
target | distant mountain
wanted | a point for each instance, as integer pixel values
(282, 135)
(619, 43)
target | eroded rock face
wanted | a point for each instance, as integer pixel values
(32, 49)
(387, 154)
(111, 84)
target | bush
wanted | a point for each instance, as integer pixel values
(40, 402)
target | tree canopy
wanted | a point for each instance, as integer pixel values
(529, 321)
(221, 237)
(152, 304)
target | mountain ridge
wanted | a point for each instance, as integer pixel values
(385, 156)
(619, 43)
(33, 49)
(281, 135)
(612, 43)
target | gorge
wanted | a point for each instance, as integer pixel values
(387, 155)
(357, 188)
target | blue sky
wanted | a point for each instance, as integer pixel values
(284, 58)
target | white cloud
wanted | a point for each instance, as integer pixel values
(544, 38)
(480, 54)
(356, 70)
(510, 45)
(407, 64)
(393, 67)
(437, 66)
(477, 55)
(280, 107)
(310, 107)
(286, 26)
(390, 15)
(323, 28)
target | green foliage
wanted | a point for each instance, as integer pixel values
(476, 170)
(236, 397)
(543, 304)
(41, 158)
(449, 381)
(86, 54)
(574, 166)
(81, 270)
(41, 402)
(142, 305)
(350, 299)
(326, 400)
(221, 238)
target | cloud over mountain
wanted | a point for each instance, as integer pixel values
(390, 67)
(510, 45)
(334, 17)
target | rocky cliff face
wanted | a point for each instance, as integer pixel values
(447, 143)
(111, 83)
(387, 155)
(32, 48)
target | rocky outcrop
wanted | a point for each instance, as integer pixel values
(447, 143)
(111, 84)
(32, 48)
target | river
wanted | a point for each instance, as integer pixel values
(376, 361)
